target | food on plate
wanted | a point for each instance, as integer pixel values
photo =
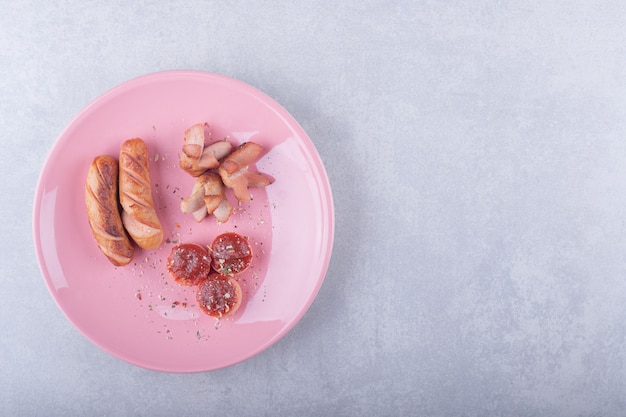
(223, 211)
(231, 253)
(206, 162)
(189, 263)
(219, 295)
(103, 212)
(196, 158)
(235, 174)
(212, 270)
(138, 215)
(207, 197)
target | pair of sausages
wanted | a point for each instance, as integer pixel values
(127, 183)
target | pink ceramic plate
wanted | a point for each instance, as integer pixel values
(137, 313)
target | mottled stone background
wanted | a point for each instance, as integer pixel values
(477, 155)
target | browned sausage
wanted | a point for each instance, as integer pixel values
(103, 212)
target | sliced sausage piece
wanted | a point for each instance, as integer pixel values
(219, 295)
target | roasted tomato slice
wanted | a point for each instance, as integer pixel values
(219, 295)
(231, 253)
(189, 263)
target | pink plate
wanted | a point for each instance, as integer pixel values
(137, 312)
